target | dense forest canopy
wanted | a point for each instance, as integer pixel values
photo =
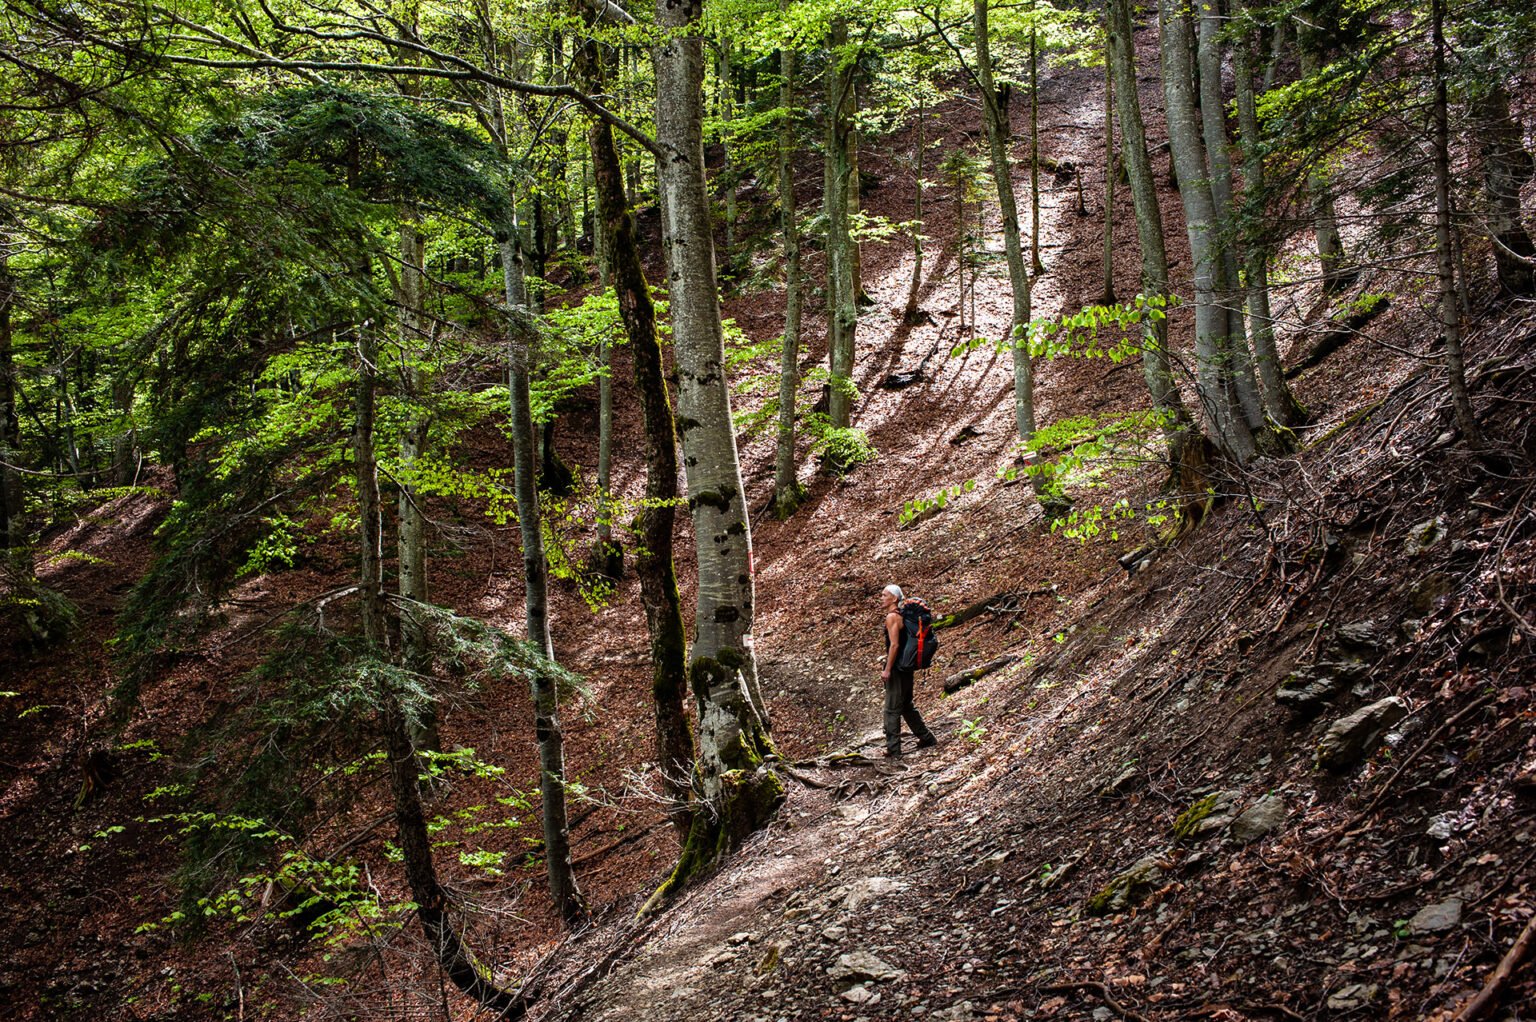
(312, 303)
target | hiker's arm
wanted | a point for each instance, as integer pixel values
(893, 632)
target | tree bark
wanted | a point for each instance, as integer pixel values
(741, 790)
(1108, 296)
(787, 492)
(653, 555)
(1218, 397)
(1450, 306)
(1213, 125)
(1280, 405)
(842, 305)
(1507, 165)
(1157, 366)
(999, 141)
(910, 314)
(413, 439)
(1330, 247)
(11, 534)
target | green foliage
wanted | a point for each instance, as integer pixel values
(972, 731)
(841, 449)
(918, 505)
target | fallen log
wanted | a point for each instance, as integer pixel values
(1004, 601)
(955, 682)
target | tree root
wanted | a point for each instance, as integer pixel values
(1103, 993)
(1488, 997)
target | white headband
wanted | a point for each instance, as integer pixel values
(895, 590)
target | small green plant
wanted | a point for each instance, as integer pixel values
(917, 506)
(1401, 929)
(972, 731)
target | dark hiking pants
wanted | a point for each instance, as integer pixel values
(898, 708)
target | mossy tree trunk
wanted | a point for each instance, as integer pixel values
(738, 788)
(654, 528)
(1507, 165)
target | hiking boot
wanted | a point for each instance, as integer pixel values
(893, 753)
(927, 742)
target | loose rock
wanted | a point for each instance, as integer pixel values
(1263, 817)
(1437, 918)
(1349, 738)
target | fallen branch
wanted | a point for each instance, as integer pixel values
(1488, 997)
(955, 682)
(619, 843)
(991, 605)
(1104, 995)
(1337, 337)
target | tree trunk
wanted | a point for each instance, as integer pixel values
(842, 307)
(11, 533)
(910, 314)
(1507, 165)
(727, 171)
(1108, 296)
(1036, 266)
(999, 141)
(861, 297)
(740, 789)
(787, 492)
(1213, 125)
(456, 961)
(1280, 405)
(653, 554)
(1217, 396)
(1330, 247)
(1157, 366)
(413, 440)
(1450, 307)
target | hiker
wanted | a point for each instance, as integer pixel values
(898, 681)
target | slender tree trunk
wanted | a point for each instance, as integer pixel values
(1330, 247)
(787, 491)
(861, 297)
(1450, 308)
(653, 554)
(11, 533)
(842, 306)
(1279, 403)
(727, 171)
(1036, 266)
(1213, 124)
(999, 140)
(1108, 297)
(740, 788)
(1214, 380)
(910, 314)
(1507, 165)
(1157, 366)
(456, 960)
(413, 439)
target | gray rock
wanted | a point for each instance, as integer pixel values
(1350, 738)
(1207, 817)
(1366, 634)
(859, 994)
(1355, 995)
(860, 966)
(1308, 690)
(1122, 783)
(1127, 887)
(1263, 817)
(1437, 918)
(1425, 536)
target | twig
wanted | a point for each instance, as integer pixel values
(619, 843)
(1104, 995)
(1489, 996)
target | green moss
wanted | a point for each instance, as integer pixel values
(1189, 820)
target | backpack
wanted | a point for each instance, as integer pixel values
(917, 622)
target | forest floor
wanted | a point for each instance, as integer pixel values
(1121, 824)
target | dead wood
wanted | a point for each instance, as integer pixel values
(620, 843)
(955, 682)
(1493, 990)
(1337, 337)
(1003, 602)
(1104, 995)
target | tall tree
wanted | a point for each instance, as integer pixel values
(842, 300)
(999, 140)
(787, 491)
(737, 783)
